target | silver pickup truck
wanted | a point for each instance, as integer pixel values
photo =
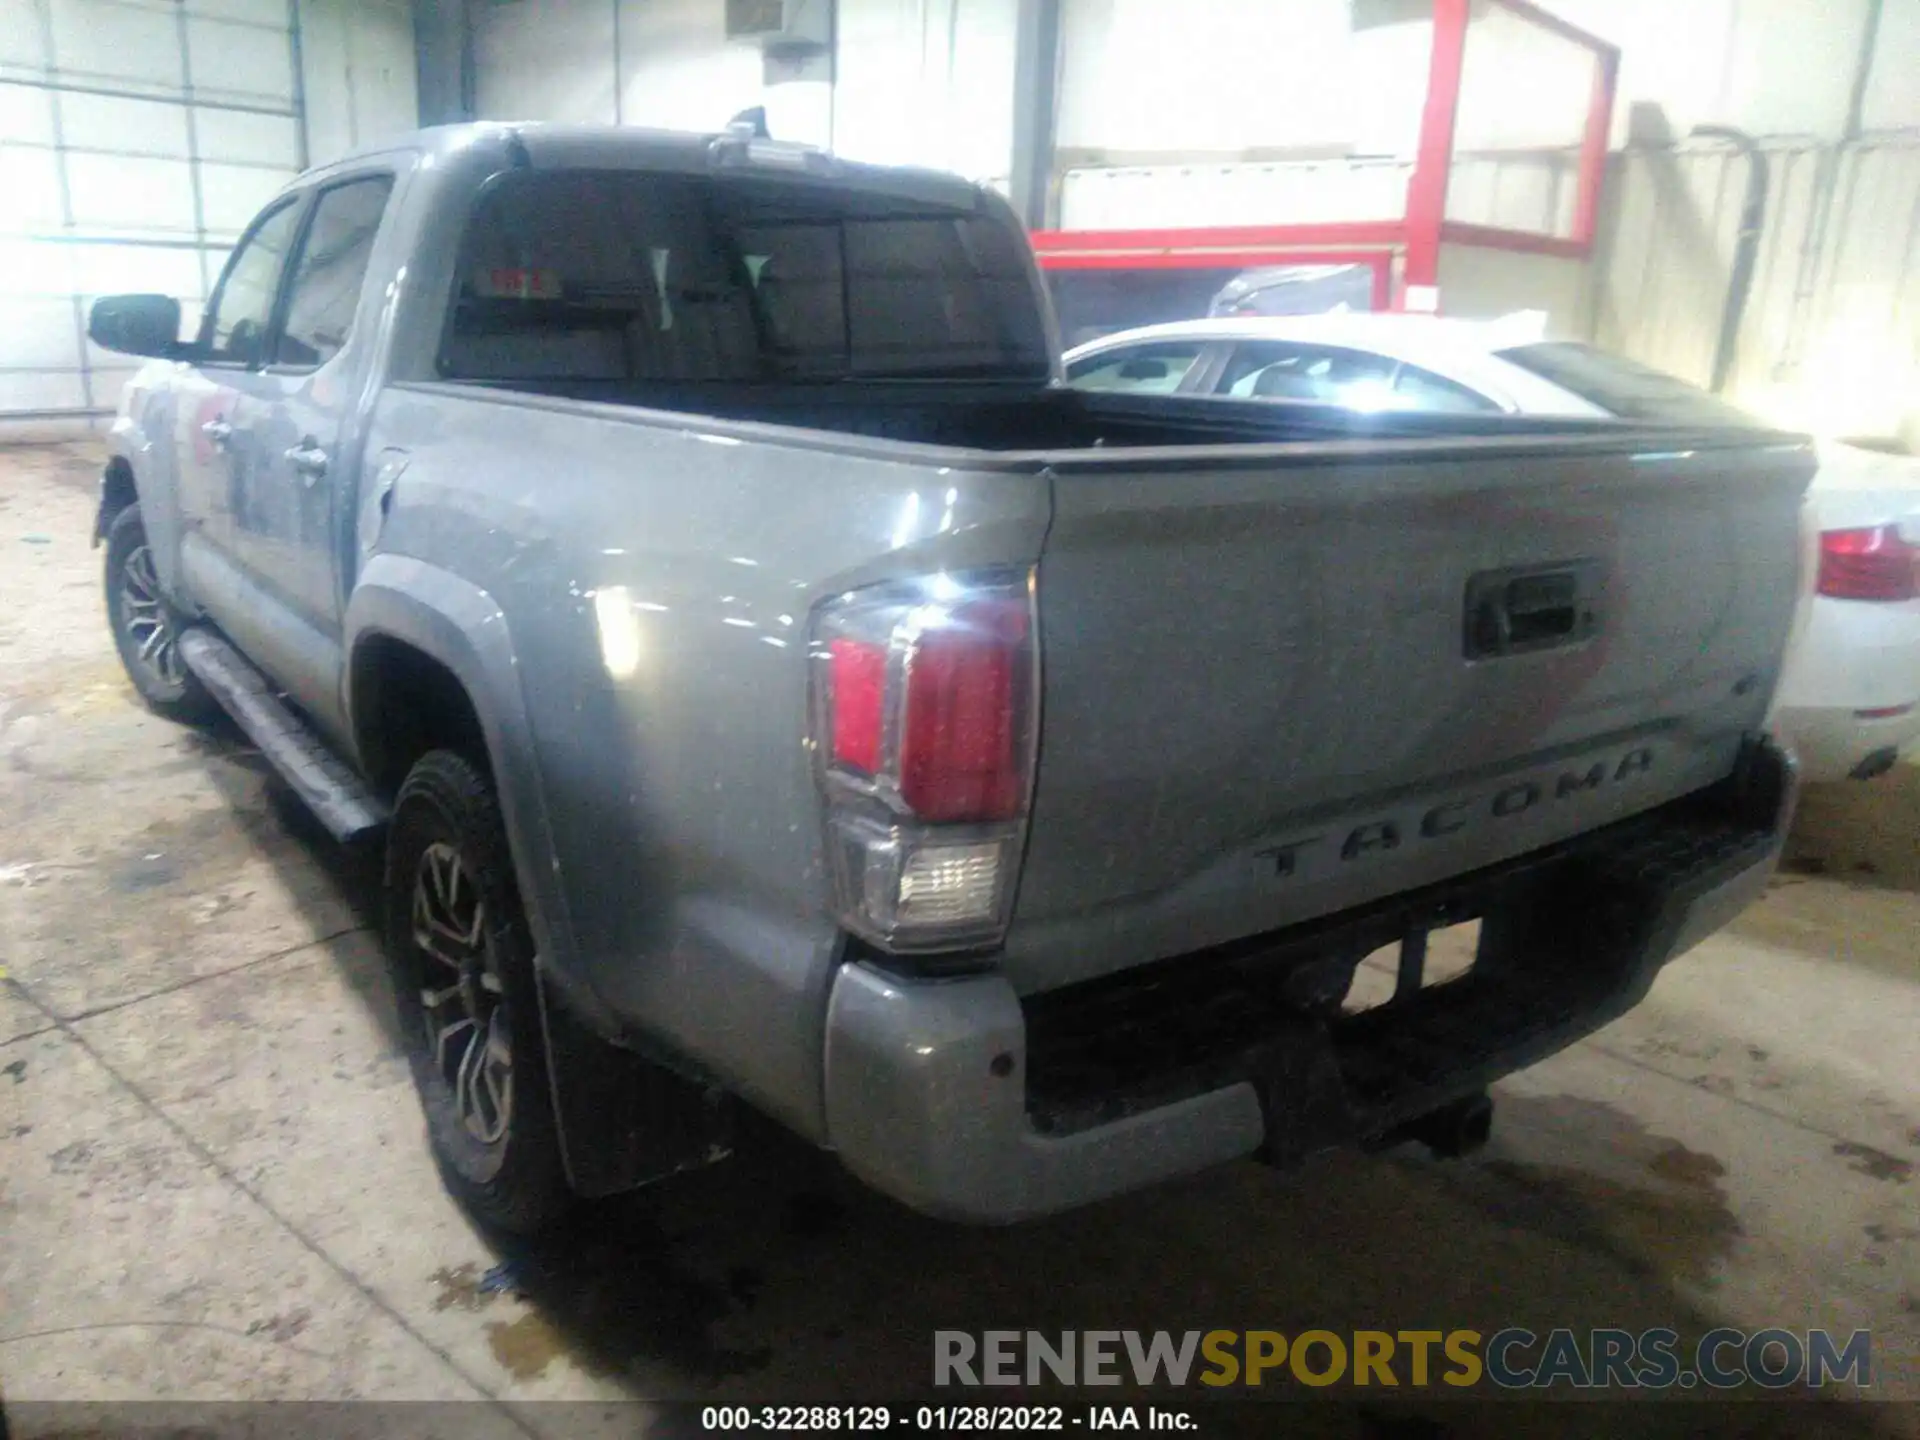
(772, 687)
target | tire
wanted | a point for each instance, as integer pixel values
(461, 957)
(146, 627)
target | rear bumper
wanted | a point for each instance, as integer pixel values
(963, 1100)
(1855, 662)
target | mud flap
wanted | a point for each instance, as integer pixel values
(625, 1120)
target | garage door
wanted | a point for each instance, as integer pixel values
(137, 138)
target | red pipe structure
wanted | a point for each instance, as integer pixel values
(1416, 236)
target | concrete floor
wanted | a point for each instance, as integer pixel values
(214, 1182)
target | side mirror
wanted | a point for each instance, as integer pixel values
(135, 324)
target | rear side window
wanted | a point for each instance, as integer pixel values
(612, 276)
(1622, 387)
(328, 274)
(1417, 389)
(1325, 374)
(1137, 369)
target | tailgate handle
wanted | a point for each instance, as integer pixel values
(1516, 612)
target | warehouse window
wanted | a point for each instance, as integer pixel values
(613, 276)
(326, 277)
(236, 322)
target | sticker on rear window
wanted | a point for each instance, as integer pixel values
(511, 284)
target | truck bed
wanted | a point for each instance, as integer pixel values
(1264, 697)
(999, 418)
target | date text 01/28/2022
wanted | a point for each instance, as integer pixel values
(880, 1419)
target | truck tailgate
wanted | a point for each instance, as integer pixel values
(1279, 682)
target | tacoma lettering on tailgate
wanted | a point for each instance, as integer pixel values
(1448, 817)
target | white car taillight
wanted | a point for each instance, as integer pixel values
(924, 699)
(1875, 563)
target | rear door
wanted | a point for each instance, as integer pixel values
(1281, 681)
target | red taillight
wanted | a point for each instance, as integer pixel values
(858, 673)
(1868, 564)
(960, 748)
(924, 708)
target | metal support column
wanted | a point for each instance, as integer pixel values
(1036, 94)
(1433, 160)
(443, 59)
(89, 407)
(619, 68)
(195, 180)
(296, 47)
(1820, 208)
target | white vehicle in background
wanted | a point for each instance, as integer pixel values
(1850, 695)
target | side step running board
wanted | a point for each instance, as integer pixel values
(330, 789)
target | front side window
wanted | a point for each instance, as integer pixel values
(328, 274)
(235, 328)
(610, 276)
(1136, 369)
(1320, 374)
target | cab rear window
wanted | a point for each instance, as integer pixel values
(609, 276)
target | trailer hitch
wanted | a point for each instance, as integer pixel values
(1458, 1128)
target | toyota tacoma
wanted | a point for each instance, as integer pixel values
(772, 687)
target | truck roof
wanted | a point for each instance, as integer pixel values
(630, 147)
(627, 142)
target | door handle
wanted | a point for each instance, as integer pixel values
(1543, 607)
(309, 460)
(218, 431)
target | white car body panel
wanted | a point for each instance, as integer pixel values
(1855, 655)
(1848, 656)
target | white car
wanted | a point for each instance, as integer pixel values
(1850, 697)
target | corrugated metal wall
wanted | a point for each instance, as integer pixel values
(1532, 190)
(1832, 324)
(1529, 190)
(1831, 335)
(1280, 192)
(919, 82)
(139, 139)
